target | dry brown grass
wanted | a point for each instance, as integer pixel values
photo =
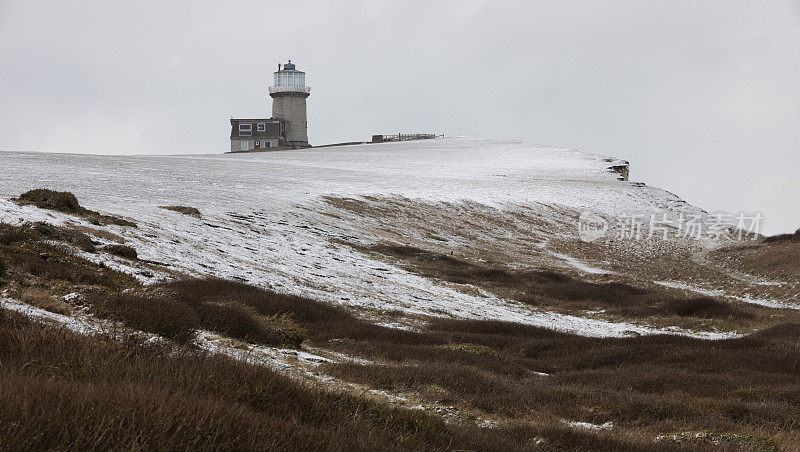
(154, 314)
(43, 299)
(177, 317)
(62, 391)
(646, 386)
(13, 235)
(777, 259)
(71, 392)
(54, 263)
(34, 260)
(99, 233)
(286, 313)
(557, 291)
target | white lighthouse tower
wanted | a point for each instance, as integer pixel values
(289, 104)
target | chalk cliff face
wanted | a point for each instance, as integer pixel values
(621, 167)
(304, 221)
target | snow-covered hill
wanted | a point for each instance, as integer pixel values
(289, 220)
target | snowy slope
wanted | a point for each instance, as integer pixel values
(265, 220)
(443, 169)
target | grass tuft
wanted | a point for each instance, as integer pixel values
(706, 307)
(471, 348)
(158, 315)
(239, 321)
(291, 334)
(191, 211)
(77, 238)
(12, 235)
(60, 201)
(125, 251)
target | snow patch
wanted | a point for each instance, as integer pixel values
(575, 263)
(588, 425)
(680, 285)
(769, 303)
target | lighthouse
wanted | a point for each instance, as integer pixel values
(288, 126)
(289, 94)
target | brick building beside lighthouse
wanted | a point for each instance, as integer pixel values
(288, 126)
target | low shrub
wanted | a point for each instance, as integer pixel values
(125, 251)
(234, 319)
(191, 211)
(159, 315)
(265, 302)
(3, 268)
(64, 234)
(102, 220)
(706, 307)
(60, 201)
(740, 384)
(66, 202)
(238, 321)
(10, 235)
(292, 335)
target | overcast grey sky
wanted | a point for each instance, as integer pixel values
(703, 97)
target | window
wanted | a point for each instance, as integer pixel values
(245, 130)
(261, 127)
(244, 145)
(266, 144)
(290, 79)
